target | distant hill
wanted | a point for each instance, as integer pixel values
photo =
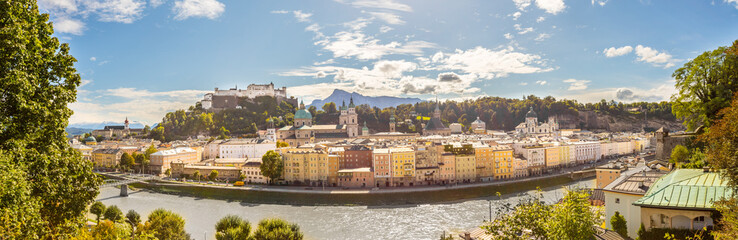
(338, 96)
(73, 131)
(101, 125)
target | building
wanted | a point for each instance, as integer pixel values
(228, 99)
(503, 162)
(252, 172)
(479, 126)
(117, 131)
(435, 126)
(335, 156)
(608, 173)
(456, 128)
(306, 165)
(465, 169)
(162, 160)
(536, 157)
(187, 170)
(392, 123)
(683, 199)
(665, 142)
(83, 150)
(356, 156)
(245, 148)
(304, 132)
(403, 166)
(624, 191)
(553, 156)
(485, 158)
(106, 157)
(355, 178)
(426, 163)
(532, 126)
(447, 168)
(587, 152)
(520, 168)
(382, 167)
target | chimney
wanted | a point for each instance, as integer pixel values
(467, 236)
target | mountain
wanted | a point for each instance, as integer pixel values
(338, 96)
(101, 125)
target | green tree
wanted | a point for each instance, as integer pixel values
(679, 154)
(165, 224)
(281, 144)
(705, 85)
(277, 229)
(133, 219)
(271, 165)
(98, 209)
(113, 213)
(150, 150)
(232, 227)
(572, 218)
(213, 175)
(330, 108)
(168, 172)
(127, 161)
(46, 186)
(196, 175)
(728, 224)
(641, 231)
(619, 225)
(108, 230)
(223, 133)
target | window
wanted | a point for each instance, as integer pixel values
(617, 200)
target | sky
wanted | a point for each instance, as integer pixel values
(142, 58)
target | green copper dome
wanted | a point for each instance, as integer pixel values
(531, 114)
(303, 114)
(90, 139)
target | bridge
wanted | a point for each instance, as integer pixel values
(122, 180)
(586, 173)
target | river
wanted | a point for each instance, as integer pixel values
(424, 221)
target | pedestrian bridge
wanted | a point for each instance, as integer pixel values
(122, 180)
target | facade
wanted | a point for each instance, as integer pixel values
(552, 157)
(447, 168)
(624, 191)
(249, 148)
(456, 128)
(503, 162)
(356, 156)
(567, 155)
(161, 160)
(355, 178)
(479, 126)
(465, 169)
(665, 142)
(536, 156)
(532, 126)
(587, 152)
(520, 168)
(382, 167)
(228, 98)
(403, 166)
(305, 165)
(117, 131)
(304, 132)
(484, 156)
(335, 156)
(85, 151)
(252, 172)
(187, 170)
(106, 157)
(606, 174)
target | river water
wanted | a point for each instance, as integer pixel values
(425, 221)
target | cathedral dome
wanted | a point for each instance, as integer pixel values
(531, 114)
(303, 114)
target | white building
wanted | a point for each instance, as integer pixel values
(624, 191)
(252, 91)
(532, 126)
(456, 128)
(587, 151)
(251, 148)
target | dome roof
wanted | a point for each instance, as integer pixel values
(303, 114)
(90, 139)
(531, 114)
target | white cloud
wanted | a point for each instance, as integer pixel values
(516, 15)
(541, 82)
(542, 37)
(385, 29)
(522, 4)
(329, 61)
(63, 5)
(93, 59)
(522, 30)
(577, 85)
(388, 17)
(71, 26)
(654, 57)
(603, 2)
(488, 64)
(551, 6)
(301, 16)
(147, 106)
(661, 92)
(508, 36)
(280, 12)
(523, 84)
(185, 9)
(358, 24)
(615, 52)
(123, 11)
(156, 3)
(734, 2)
(320, 74)
(382, 4)
(357, 44)
(540, 19)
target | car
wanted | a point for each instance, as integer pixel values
(210, 182)
(238, 183)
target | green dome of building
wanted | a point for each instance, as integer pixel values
(90, 139)
(303, 114)
(531, 114)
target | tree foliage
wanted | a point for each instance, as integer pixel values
(271, 165)
(572, 218)
(277, 229)
(127, 161)
(679, 154)
(165, 224)
(113, 213)
(619, 225)
(722, 143)
(213, 175)
(97, 208)
(728, 223)
(232, 227)
(46, 185)
(705, 85)
(109, 230)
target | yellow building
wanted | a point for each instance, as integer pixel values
(162, 160)
(106, 157)
(466, 169)
(485, 160)
(335, 155)
(305, 165)
(403, 166)
(567, 156)
(552, 157)
(503, 162)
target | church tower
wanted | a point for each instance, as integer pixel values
(531, 121)
(352, 120)
(126, 123)
(392, 123)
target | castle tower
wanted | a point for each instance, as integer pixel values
(392, 123)
(352, 120)
(126, 123)
(365, 130)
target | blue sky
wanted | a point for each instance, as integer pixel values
(142, 58)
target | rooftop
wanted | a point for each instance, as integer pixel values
(686, 188)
